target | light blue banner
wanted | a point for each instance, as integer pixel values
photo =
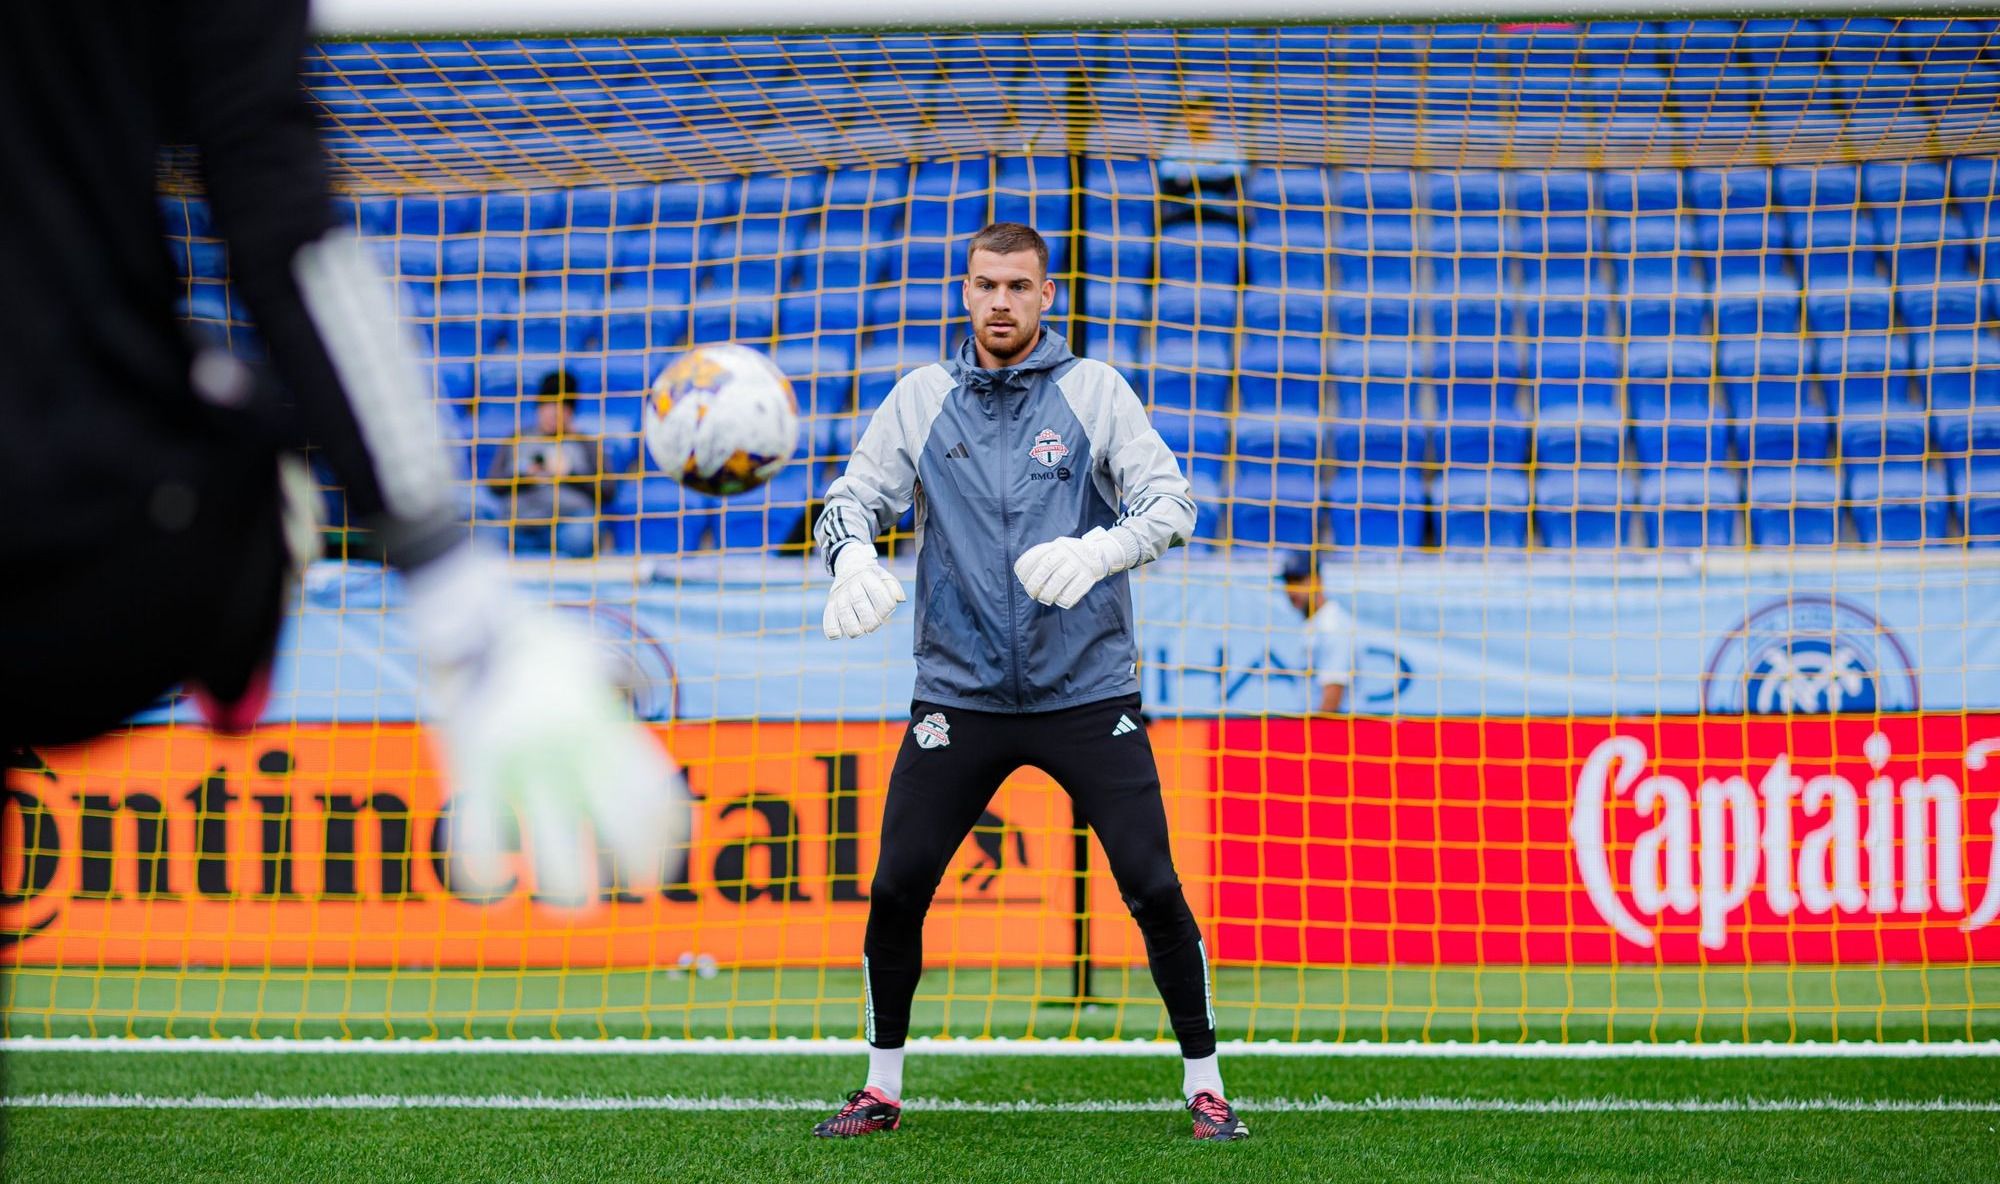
(1548, 636)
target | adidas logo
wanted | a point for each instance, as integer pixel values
(958, 452)
(1124, 725)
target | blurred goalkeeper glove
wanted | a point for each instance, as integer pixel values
(863, 595)
(534, 736)
(1060, 571)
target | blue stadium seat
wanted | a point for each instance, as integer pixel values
(1302, 188)
(1184, 304)
(1377, 506)
(1120, 198)
(1548, 234)
(1771, 416)
(1936, 287)
(1957, 375)
(1478, 392)
(881, 363)
(1973, 178)
(741, 256)
(1866, 379)
(1115, 319)
(1470, 234)
(1032, 189)
(769, 515)
(916, 300)
(783, 193)
(821, 368)
(1657, 234)
(590, 208)
(1374, 296)
(1563, 298)
(1845, 293)
(674, 244)
(1794, 505)
(655, 515)
(1288, 255)
(545, 252)
(1287, 437)
(748, 319)
(822, 312)
(1755, 294)
(1120, 257)
(1898, 502)
(1374, 413)
(1691, 506)
(1729, 190)
(1191, 369)
(1273, 501)
(1668, 399)
(1579, 404)
(1976, 485)
(1483, 507)
(1462, 190)
(1296, 312)
(864, 205)
(1581, 507)
(1201, 252)
(1195, 434)
(1663, 296)
(1553, 192)
(1280, 372)
(1467, 300)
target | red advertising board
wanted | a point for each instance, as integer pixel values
(1657, 840)
(1638, 841)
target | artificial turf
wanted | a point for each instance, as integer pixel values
(689, 1143)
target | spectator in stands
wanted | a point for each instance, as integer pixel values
(545, 485)
(1330, 646)
(1201, 172)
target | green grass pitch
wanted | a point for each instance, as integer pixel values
(491, 1115)
(1546, 1120)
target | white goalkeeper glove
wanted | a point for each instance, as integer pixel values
(533, 736)
(863, 595)
(1060, 571)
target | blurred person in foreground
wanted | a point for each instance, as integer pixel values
(148, 539)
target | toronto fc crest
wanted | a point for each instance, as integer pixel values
(932, 731)
(1048, 449)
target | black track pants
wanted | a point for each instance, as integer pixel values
(952, 761)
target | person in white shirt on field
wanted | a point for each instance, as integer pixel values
(1330, 645)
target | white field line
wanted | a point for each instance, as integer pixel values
(928, 1046)
(1249, 1106)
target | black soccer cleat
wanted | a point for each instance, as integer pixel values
(1214, 1120)
(867, 1111)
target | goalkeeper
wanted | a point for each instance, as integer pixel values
(145, 541)
(1019, 457)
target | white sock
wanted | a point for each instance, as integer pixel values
(885, 1071)
(1201, 1073)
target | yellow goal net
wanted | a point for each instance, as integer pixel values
(1589, 632)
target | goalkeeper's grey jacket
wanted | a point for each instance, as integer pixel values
(997, 461)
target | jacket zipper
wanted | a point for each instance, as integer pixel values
(1007, 540)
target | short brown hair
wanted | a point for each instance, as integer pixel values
(1009, 238)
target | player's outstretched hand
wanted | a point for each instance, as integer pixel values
(541, 753)
(1060, 571)
(863, 595)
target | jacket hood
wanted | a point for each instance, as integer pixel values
(1049, 352)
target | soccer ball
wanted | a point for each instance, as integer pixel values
(721, 419)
